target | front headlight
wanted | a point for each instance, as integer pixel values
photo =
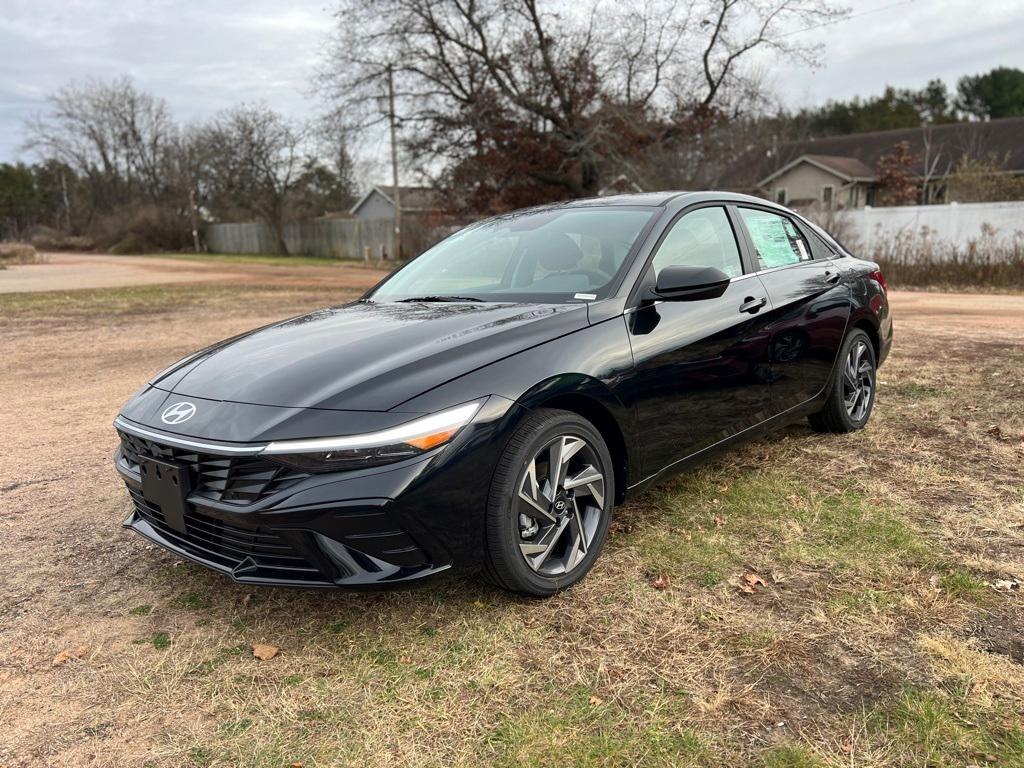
(334, 454)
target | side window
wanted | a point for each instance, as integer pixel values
(703, 238)
(776, 239)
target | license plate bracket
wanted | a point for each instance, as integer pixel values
(166, 484)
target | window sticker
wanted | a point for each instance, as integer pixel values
(803, 250)
(770, 234)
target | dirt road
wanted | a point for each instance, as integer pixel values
(70, 271)
(161, 671)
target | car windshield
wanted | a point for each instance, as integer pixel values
(547, 256)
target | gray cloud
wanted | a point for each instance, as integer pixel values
(203, 56)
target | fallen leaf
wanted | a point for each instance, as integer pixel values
(994, 431)
(753, 580)
(265, 652)
(404, 660)
(596, 701)
(67, 655)
(661, 581)
(797, 501)
(724, 488)
(719, 521)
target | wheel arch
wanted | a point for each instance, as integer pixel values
(592, 400)
(869, 327)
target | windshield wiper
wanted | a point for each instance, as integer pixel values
(439, 298)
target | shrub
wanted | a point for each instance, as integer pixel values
(138, 228)
(18, 253)
(130, 244)
(47, 239)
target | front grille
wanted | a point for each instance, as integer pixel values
(240, 550)
(234, 479)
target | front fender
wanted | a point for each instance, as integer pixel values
(587, 366)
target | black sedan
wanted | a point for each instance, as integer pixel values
(487, 405)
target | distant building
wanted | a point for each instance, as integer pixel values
(620, 185)
(839, 171)
(379, 203)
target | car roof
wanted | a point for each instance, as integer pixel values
(668, 198)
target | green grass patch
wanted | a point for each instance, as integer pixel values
(159, 640)
(940, 728)
(270, 259)
(141, 610)
(159, 299)
(704, 530)
(193, 601)
(571, 728)
(788, 756)
(963, 586)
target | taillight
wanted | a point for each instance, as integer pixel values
(880, 278)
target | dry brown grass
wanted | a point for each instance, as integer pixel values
(922, 260)
(18, 253)
(875, 639)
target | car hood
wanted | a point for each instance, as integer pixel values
(366, 356)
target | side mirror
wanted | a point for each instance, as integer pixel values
(690, 283)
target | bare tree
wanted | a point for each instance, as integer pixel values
(546, 94)
(111, 134)
(256, 163)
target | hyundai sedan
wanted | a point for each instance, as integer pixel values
(485, 407)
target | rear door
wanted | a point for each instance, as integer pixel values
(701, 367)
(810, 304)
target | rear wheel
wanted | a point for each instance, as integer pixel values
(852, 394)
(550, 504)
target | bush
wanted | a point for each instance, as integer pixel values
(130, 244)
(18, 253)
(920, 260)
(47, 239)
(140, 228)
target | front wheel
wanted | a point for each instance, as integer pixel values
(852, 393)
(550, 504)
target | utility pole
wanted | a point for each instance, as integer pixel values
(396, 192)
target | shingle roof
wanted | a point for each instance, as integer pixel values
(413, 198)
(847, 166)
(947, 143)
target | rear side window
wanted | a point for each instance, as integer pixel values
(777, 241)
(701, 238)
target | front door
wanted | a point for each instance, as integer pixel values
(701, 367)
(810, 305)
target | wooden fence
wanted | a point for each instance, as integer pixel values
(334, 238)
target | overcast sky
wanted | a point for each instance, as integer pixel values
(204, 56)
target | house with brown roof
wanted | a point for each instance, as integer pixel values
(840, 171)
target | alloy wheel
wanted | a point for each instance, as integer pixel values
(858, 382)
(559, 505)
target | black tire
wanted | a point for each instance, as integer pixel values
(506, 562)
(837, 414)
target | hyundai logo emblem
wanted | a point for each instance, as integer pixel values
(177, 413)
(559, 505)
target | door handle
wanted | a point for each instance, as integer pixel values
(832, 277)
(752, 305)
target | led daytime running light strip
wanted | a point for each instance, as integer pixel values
(423, 433)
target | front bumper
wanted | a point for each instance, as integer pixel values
(368, 529)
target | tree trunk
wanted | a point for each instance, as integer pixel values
(278, 226)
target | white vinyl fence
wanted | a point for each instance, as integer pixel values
(956, 223)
